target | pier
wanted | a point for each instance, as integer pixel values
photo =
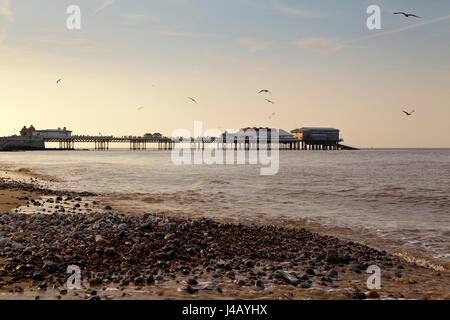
(165, 143)
(250, 138)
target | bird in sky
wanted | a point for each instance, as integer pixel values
(270, 101)
(265, 91)
(407, 15)
(408, 113)
(58, 81)
(192, 99)
(140, 108)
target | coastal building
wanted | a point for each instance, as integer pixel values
(46, 134)
(317, 134)
(283, 135)
(53, 133)
(27, 132)
(318, 138)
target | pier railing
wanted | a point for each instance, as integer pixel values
(166, 143)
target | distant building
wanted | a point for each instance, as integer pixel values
(27, 132)
(157, 135)
(315, 134)
(282, 134)
(53, 133)
(148, 135)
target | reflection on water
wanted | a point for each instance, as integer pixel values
(401, 196)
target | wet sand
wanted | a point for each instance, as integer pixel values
(150, 256)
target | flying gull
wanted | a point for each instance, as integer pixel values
(58, 81)
(192, 99)
(408, 113)
(270, 101)
(407, 15)
(265, 91)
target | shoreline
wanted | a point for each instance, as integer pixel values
(159, 257)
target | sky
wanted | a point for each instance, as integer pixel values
(133, 64)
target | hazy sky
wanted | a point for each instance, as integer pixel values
(322, 64)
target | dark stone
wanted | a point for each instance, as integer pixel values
(110, 252)
(311, 272)
(359, 295)
(38, 276)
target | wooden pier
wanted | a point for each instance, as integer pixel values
(165, 143)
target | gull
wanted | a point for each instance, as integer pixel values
(265, 91)
(140, 108)
(406, 14)
(270, 101)
(58, 81)
(408, 113)
(192, 99)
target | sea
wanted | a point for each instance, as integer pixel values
(393, 199)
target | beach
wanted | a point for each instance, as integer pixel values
(154, 256)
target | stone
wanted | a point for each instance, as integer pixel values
(5, 242)
(110, 252)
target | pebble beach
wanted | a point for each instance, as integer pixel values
(152, 256)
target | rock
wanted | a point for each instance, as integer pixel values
(359, 295)
(249, 264)
(150, 280)
(96, 281)
(139, 280)
(108, 208)
(110, 252)
(170, 236)
(38, 276)
(19, 239)
(259, 284)
(122, 227)
(17, 246)
(311, 272)
(189, 289)
(146, 226)
(99, 238)
(373, 295)
(285, 278)
(5, 242)
(333, 274)
(50, 266)
(192, 282)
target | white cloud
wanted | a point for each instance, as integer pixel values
(255, 45)
(136, 18)
(6, 18)
(104, 5)
(328, 46)
(296, 12)
(319, 45)
(76, 43)
(178, 33)
(408, 27)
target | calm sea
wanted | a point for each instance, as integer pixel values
(398, 199)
